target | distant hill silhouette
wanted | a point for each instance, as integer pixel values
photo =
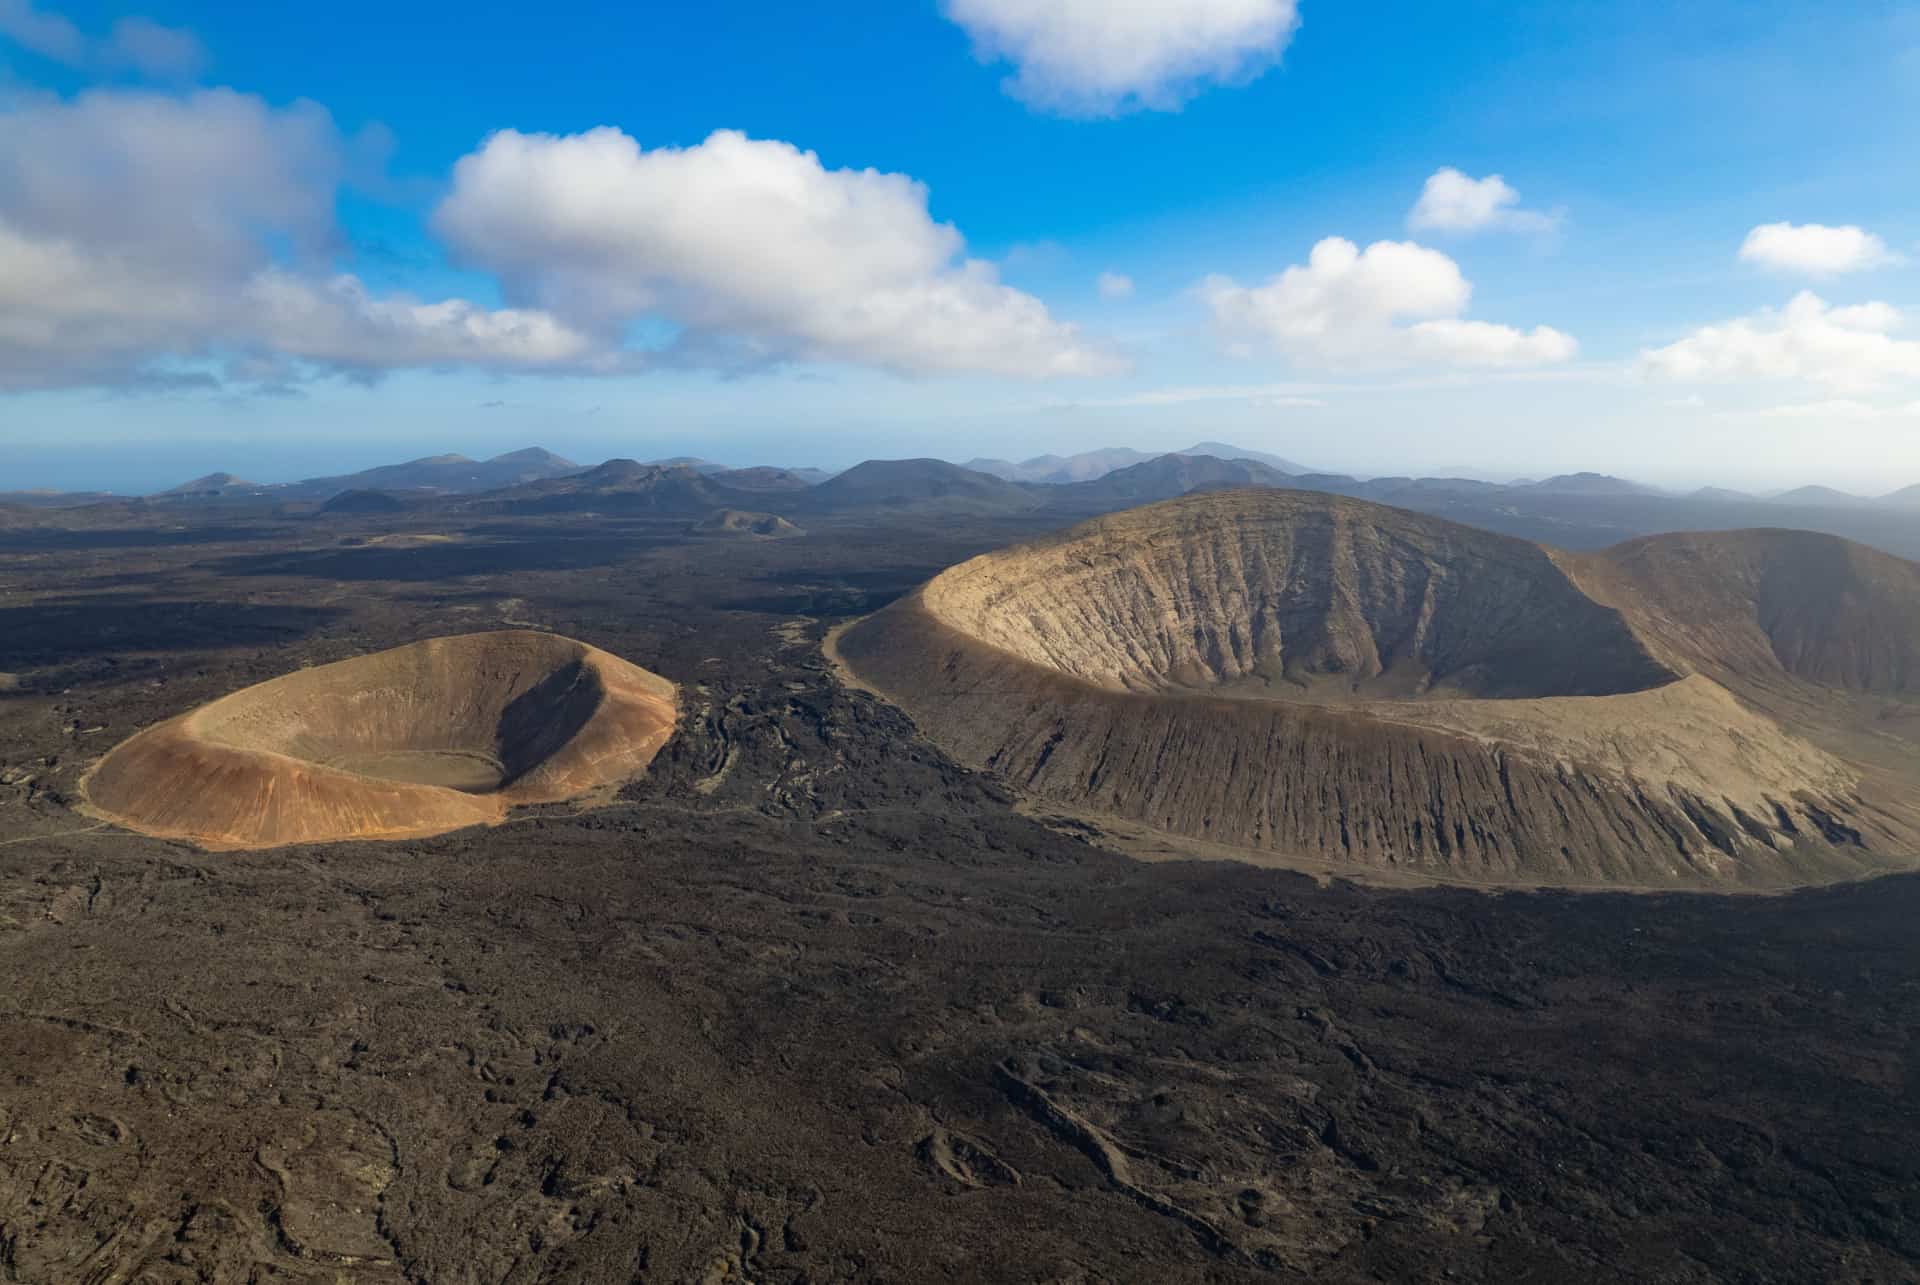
(1090, 466)
(1166, 477)
(1055, 469)
(452, 474)
(617, 486)
(1589, 484)
(764, 479)
(885, 484)
(1817, 497)
(213, 484)
(1225, 451)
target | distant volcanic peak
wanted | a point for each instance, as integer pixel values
(1288, 595)
(916, 482)
(1907, 497)
(621, 470)
(213, 482)
(1590, 484)
(416, 741)
(534, 455)
(762, 478)
(1818, 496)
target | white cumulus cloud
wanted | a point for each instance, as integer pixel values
(1813, 249)
(1454, 202)
(1102, 57)
(1115, 285)
(753, 249)
(1393, 304)
(1850, 349)
(141, 231)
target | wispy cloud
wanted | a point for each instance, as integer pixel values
(1301, 395)
(132, 44)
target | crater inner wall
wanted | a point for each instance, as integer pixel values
(1283, 596)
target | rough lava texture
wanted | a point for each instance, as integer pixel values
(416, 741)
(1331, 680)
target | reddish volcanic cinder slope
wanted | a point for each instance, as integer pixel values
(419, 740)
(1324, 679)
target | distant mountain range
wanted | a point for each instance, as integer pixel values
(459, 475)
(433, 475)
(1575, 510)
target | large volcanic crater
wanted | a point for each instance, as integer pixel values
(1317, 599)
(418, 740)
(1334, 681)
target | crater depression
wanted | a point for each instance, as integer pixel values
(419, 740)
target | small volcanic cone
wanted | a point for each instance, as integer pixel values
(416, 741)
(736, 522)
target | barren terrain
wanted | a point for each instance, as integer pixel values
(810, 1001)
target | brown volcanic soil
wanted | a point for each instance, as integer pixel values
(1171, 666)
(812, 1002)
(416, 741)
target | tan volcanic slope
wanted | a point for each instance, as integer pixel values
(1337, 681)
(419, 740)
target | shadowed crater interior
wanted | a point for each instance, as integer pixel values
(418, 740)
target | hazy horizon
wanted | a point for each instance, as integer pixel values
(133, 469)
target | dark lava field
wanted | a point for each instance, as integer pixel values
(811, 1003)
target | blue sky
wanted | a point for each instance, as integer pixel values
(285, 241)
